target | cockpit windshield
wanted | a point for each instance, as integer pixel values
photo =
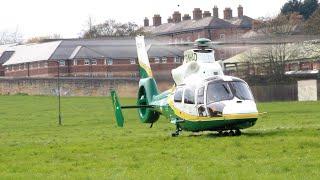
(220, 91)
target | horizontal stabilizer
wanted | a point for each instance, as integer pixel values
(117, 109)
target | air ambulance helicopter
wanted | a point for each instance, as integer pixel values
(202, 98)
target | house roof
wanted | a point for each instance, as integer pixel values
(294, 51)
(207, 22)
(108, 48)
(5, 52)
(84, 48)
(32, 52)
(5, 56)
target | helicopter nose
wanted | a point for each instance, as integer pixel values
(240, 107)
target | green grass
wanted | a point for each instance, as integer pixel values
(284, 144)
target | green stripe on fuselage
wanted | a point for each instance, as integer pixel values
(216, 125)
(143, 73)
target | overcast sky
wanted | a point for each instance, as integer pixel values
(68, 17)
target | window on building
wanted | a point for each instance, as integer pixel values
(222, 36)
(86, 62)
(132, 61)
(177, 59)
(45, 64)
(75, 63)
(21, 67)
(109, 62)
(133, 75)
(62, 62)
(164, 60)
(10, 68)
(7, 68)
(94, 62)
(156, 60)
(109, 74)
(222, 55)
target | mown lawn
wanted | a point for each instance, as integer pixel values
(284, 144)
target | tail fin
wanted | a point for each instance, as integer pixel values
(145, 69)
(117, 109)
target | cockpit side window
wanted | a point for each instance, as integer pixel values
(178, 95)
(200, 96)
(188, 96)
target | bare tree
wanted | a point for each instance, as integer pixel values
(10, 37)
(111, 28)
(272, 58)
(44, 38)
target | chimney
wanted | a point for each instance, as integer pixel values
(240, 11)
(215, 12)
(176, 17)
(170, 20)
(197, 14)
(206, 14)
(227, 13)
(146, 22)
(156, 20)
(186, 17)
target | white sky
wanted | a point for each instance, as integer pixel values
(68, 17)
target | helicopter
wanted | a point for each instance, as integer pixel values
(201, 99)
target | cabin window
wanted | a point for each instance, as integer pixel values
(222, 36)
(178, 95)
(241, 90)
(188, 96)
(94, 62)
(200, 98)
(75, 62)
(218, 91)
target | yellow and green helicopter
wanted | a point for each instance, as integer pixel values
(202, 98)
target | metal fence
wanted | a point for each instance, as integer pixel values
(278, 92)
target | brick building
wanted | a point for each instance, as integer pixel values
(93, 58)
(202, 25)
(5, 54)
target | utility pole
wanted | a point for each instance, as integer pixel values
(59, 96)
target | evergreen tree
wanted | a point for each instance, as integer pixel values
(308, 8)
(291, 6)
(305, 8)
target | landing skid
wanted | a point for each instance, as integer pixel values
(236, 132)
(177, 132)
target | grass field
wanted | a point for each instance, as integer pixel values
(284, 144)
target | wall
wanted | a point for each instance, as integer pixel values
(307, 90)
(73, 86)
(126, 87)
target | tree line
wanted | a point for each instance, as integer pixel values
(310, 11)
